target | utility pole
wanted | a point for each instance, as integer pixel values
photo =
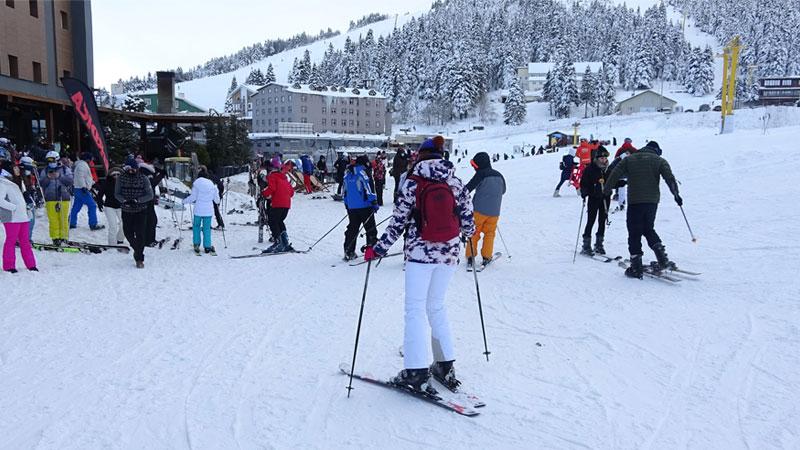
(575, 132)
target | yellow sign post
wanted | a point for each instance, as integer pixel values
(730, 65)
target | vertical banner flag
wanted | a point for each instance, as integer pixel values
(86, 108)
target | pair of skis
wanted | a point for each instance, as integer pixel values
(263, 253)
(483, 266)
(671, 276)
(79, 247)
(463, 404)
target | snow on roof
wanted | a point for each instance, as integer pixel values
(329, 91)
(580, 67)
(326, 135)
(645, 92)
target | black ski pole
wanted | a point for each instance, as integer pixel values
(358, 329)
(605, 206)
(480, 306)
(329, 232)
(577, 238)
(508, 254)
(694, 239)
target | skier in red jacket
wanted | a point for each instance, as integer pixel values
(280, 192)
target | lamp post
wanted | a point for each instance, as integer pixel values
(575, 132)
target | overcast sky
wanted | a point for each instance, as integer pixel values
(133, 37)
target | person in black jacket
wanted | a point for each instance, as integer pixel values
(592, 183)
(112, 208)
(399, 167)
(341, 165)
(134, 192)
(221, 188)
(567, 163)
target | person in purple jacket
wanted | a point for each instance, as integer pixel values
(430, 265)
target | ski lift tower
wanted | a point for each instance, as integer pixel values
(730, 63)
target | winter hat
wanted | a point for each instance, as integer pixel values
(654, 146)
(130, 163)
(438, 141)
(114, 171)
(428, 150)
(275, 163)
(5, 174)
(601, 152)
(427, 145)
(363, 160)
(86, 156)
(481, 161)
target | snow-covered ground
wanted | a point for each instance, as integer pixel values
(209, 352)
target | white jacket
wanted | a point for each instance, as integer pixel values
(12, 204)
(82, 176)
(204, 195)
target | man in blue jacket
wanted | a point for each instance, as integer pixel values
(361, 204)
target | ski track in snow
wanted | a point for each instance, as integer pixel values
(209, 352)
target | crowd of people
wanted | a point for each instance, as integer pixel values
(433, 210)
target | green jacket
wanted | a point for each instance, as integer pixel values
(643, 169)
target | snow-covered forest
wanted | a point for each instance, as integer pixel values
(224, 64)
(768, 29)
(442, 65)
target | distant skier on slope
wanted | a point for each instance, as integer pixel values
(435, 208)
(644, 169)
(566, 166)
(489, 186)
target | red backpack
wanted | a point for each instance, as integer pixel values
(436, 212)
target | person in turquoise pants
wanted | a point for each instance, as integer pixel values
(204, 195)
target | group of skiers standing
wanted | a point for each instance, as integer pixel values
(636, 175)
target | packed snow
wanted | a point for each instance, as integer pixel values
(211, 352)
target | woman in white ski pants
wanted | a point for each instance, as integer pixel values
(114, 221)
(426, 286)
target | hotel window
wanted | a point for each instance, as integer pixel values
(772, 82)
(366, 113)
(323, 122)
(377, 124)
(366, 123)
(283, 109)
(13, 68)
(10, 3)
(333, 110)
(64, 20)
(303, 98)
(358, 123)
(333, 122)
(352, 122)
(289, 109)
(303, 120)
(34, 8)
(344, 111)
(350, 101)
(351, 112)
(303, 109)
(282, 98)
(324, 110)
(37, 72)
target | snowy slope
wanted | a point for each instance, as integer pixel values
(204, 352)
(209, 92)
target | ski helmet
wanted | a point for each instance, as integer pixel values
(52, 154)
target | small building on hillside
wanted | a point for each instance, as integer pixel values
(559, 139)
(779, 90)
(646, 101)
(533, 76)
(180, 102)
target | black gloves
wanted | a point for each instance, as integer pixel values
(678, 200)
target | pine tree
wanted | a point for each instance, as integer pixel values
(515, 110)
(269, 77)
(292, 77)
(234, 85)
(303, 69)
(587, 94)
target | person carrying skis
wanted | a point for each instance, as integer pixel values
(134, 191)
(399, 167)
(361, 204)
(15, 216)
(566, 166)
(279, 192)
(307, 167)
(82, 185)
(204, 195)
(341, 165)
(434, 207)
(379, 175)
(489, 186)
(592, 183)
(56, 182)
(644, 168)
(112, 207)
